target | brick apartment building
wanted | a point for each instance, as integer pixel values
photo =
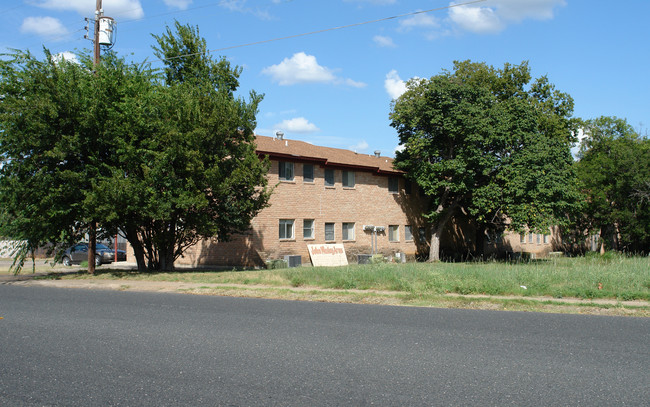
(329, 195)
(323, 195)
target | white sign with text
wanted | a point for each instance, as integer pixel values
(327, 255)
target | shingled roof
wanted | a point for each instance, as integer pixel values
(294, 150)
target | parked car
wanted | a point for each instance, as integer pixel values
(79, 253)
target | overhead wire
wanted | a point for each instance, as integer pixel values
(413, 13)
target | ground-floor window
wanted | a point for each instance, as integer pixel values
(348, 231)
(286, 228)
(329, 232)
(408, 233)
(308, 229)
(393, 233)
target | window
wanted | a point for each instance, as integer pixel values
(308, 229)
(285, 171)
(329, 177)
(408, 233)
(393, 233)
(286, 228)
(393, 185)
(546, 239)
(422, 234)
(522, 238)
(408, 187)
(308, 173)
(348, 231)
(539, 238)
(530, 238)
(329, 232)
(348, 179)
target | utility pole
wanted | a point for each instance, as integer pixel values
(92, 229)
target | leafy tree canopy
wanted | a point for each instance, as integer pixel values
(489, 142)
(614, 171)
(168, 160)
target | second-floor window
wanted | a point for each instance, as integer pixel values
(307, 173)
(393, 185)
(329, 177)
(348, 179)
(285, 171)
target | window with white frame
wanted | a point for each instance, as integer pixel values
(348, 231)
(408, 233)
(285, 171)
(393, 233)
(307, 173)
(393, 185)
(329, 232)
(546, 239)
(329, 177)
(348, 179)
(522, 238)
(530, 237)
(308, 229)
(286, 229)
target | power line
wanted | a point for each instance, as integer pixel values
(324, 30)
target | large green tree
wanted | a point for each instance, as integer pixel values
(614, 171)
(167, 161)
(48, 148)
(185, 164)
(490, 143)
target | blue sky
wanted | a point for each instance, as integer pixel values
(334, 88)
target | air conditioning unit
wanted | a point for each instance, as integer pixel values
(364, 258)
(293, 261)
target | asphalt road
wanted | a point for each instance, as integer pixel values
(99, 348)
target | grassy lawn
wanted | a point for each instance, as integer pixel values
(591, 277)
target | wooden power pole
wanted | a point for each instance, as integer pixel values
(92, 229)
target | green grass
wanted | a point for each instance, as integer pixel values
(590, 277)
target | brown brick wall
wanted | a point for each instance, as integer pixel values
(367, 203)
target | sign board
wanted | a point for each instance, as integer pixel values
(327, 255)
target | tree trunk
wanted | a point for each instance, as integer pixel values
(92, 244)
(434, 250)
(138, 251)
(436, 233)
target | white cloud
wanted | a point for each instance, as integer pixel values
(480, 20)
(297, 125)
(419, 20)
(394, 85)
(353, 83)
(48, 27)
(575, 149)
(383, 41)
(497, 14)
(179, 4)
(67, 55)
(113, 8)
(303, 68)
(360, 146)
